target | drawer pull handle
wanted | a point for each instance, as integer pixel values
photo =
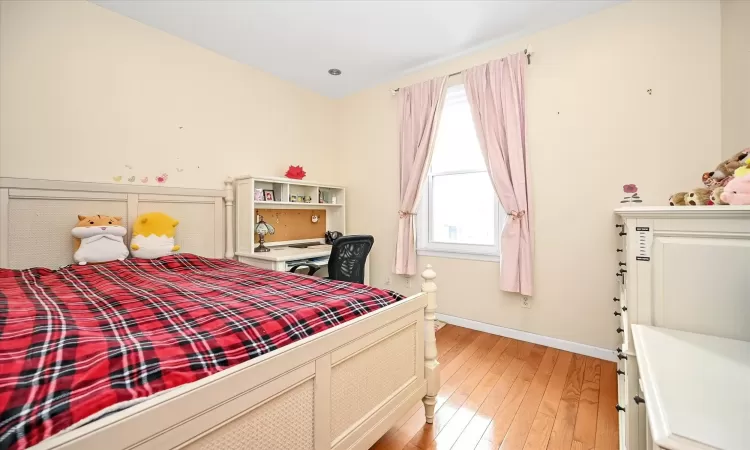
(615, 299)
(619, 330)
(622, 233)
(624, 308)
(638, 400)
(623, 271)
(618, 274)
(619, 250)
(619, 349)
(620, 225)
(621, 356)
(618, 313)
(620, 372)
(622, 263)
(619, 408)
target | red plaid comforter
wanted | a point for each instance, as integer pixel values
(83, 338)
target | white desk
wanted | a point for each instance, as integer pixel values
(697, 389)
(282, 257)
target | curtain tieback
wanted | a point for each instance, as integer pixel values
(517, 214)
(403, 214)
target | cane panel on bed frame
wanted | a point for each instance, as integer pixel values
(339, 389)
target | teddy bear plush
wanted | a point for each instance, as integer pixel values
(677, 199)
(99, 239)
(698, 196)
(716, 196)
(737, 191)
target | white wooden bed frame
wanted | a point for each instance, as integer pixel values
(340, 389)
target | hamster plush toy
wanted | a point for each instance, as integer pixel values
(153, 236)
(99, 239)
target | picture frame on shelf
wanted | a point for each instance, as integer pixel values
(268, 195)
(259, 195)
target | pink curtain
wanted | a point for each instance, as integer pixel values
(496, 94)
(419, 109)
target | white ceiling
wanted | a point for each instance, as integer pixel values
(371, 41)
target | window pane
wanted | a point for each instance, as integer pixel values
(463, 209)
(456, 145)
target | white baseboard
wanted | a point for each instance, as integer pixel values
(574, 347)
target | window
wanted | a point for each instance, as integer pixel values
(459, 214)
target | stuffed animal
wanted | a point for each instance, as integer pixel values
(737, 191)
(716, 196)
(99, 239)
(697, 196)
(677, 199)
(153, 236)
(742, 171)
(725, 171)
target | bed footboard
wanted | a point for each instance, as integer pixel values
(340, 389)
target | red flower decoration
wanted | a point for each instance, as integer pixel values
(630, 189)
(295, 172)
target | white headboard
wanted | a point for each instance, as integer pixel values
(37, 216)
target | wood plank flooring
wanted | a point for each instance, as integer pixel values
(500, 393)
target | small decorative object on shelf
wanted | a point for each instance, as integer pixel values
(320, 196)
(262, 229)
(268, 195)
(293, 198)
(631, 189)
(295, 172)
(259, 195)
(307, 199)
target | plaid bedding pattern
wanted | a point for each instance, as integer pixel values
(77, 340)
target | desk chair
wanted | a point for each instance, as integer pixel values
(347, 261)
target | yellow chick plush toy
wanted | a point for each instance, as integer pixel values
(153, 236)
(742, 171)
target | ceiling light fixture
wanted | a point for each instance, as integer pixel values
(334, 72)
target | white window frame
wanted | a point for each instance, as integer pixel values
(426, 246)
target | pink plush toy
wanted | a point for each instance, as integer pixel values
(737, 191)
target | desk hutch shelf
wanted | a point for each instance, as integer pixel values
(284, 190)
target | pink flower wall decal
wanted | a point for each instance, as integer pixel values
(162, 178)
(631, 189)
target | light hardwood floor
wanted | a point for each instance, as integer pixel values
(502, 393)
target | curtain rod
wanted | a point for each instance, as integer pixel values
(525, 52)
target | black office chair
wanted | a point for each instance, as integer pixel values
(347, 261)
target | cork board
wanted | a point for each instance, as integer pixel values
(293, 224)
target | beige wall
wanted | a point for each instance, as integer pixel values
(592, 127)
(86, 92)
(735, 75)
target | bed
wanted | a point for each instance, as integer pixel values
(341, 387)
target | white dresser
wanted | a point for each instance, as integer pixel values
(696, 387)
(682, 268)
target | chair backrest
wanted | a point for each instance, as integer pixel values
(348, 257)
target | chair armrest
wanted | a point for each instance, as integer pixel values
(312, 268)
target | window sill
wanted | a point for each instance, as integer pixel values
(455, 255)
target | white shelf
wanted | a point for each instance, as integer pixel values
(284, 180)
(283, 190)
(266, 203)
